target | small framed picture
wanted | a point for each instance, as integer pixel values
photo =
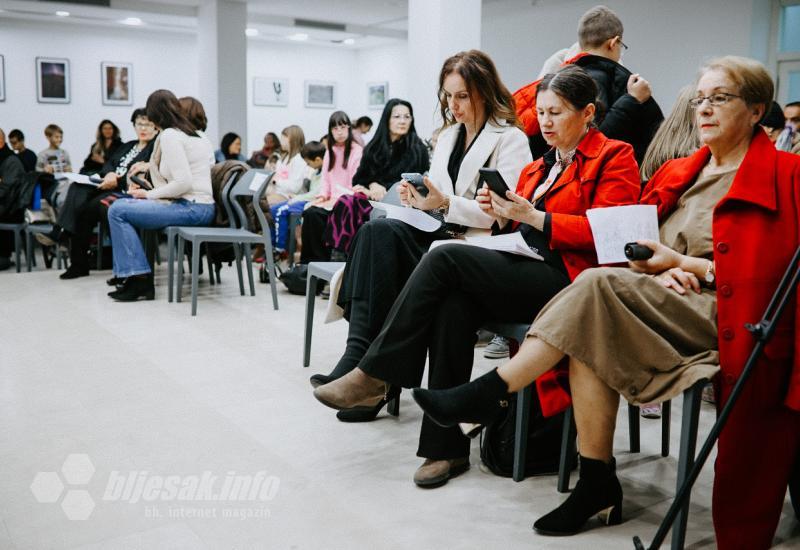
(269, 91)
(377, 94)
(117, 82)
(320, 94)
(2, 78)
(52, 80)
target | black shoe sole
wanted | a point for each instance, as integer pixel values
(435, 482)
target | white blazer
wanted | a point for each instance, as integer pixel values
(506, 149)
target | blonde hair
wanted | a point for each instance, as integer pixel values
(676, 137)
(296, 139)
(754, 82)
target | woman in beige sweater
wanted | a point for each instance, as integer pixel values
(180, 172)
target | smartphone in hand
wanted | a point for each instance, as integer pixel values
(494, 180)
(415, 179)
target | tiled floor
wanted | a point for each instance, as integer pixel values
(146, 390)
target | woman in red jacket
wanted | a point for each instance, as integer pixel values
(730, 221)
(456, 288)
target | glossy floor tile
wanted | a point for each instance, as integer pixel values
(122, 422)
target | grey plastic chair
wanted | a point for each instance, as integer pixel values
(18, 229)
(317, 271)
(252, 184)
(30, 230)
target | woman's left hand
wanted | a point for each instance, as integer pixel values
(679, 280)
(137, 193)
(376, 191)
(515, 207)
(663, 258)
(434, 199)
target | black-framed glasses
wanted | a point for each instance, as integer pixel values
(623, 44)
(716, 100)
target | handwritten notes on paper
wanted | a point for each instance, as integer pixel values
(616, 226)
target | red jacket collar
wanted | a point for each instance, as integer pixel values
(589, 148)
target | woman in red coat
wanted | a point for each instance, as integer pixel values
(456, 289)
(730, 222)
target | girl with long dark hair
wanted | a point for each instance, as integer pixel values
(106, 142)
(230, 148)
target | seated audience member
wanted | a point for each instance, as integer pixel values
(271, 146)
(361, 128)
(789, 139)
(11, 173)
(195, 113)
(291, 169)
(652, 331)
(230, 148)
(342, 158)
(632, 114)
(86, 206)
(180, 170)
(394, 150)
(481, 130)
(272, 162)
(313, 153)
(17, 141)
(676, 137)
(106, 142)
(456, 289)
(773, 122)
(54, 158)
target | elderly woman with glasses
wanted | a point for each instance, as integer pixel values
(729, 224)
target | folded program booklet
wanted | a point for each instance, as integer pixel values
(513, 243)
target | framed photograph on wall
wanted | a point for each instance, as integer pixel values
(52, 80)
(269, 91)
(117, 82)
(2, 78)
(377, 94)
(320, 94)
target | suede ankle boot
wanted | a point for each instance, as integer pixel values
(478, 402)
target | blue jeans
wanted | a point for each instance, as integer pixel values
(280, 215)
(127, 215)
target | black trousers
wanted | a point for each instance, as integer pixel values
(86, 216)
(7, 237)
(77, 196)
(315, 220)
(454, 290)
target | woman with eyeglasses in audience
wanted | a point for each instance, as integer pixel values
(456, 289)
(481, 132)
(652, 331)
(180, 174)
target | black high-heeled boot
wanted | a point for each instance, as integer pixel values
(368, 414)
(597, 492)
(478, 402)
(134, 288)
(358, 342)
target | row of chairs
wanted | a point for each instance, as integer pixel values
(26, 232)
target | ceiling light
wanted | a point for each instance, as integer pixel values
(62, 13)
(251, 32)
(298, 37)
(133, 21)
(349, 41)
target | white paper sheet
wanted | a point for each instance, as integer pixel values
(258, 179)
(510, 242)
(76, 178)
(616, 226)
(412, 216)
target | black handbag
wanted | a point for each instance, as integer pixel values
(544, 442)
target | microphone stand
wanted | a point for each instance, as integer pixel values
(761, 331)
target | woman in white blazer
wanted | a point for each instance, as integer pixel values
(481, 131)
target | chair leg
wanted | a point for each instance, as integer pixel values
(521, 432)
(270, 269)
(666, 419)
(311, 296)
(195, 271)
(210, 266)
(17, 248)
(568, 434)
(100, 246)
(689, 423)
(179, 282)
(248, 261)
(633, 427)
(29, 249)
(170, 263)
(237, 248)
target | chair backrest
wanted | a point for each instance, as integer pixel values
(252, 184)
(225, 199)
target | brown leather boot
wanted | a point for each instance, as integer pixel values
(354, 389)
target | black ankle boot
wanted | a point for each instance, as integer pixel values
(478, 402)
(358, 341)
(597, 492)
(135, 288)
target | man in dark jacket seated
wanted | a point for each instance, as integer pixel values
(632, 115)
(11, 174)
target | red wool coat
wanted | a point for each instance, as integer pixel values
(604, 173)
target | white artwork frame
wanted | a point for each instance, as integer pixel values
(116, 81)
(52, 80)
(270, 91)
(377, 94)
(319, 94)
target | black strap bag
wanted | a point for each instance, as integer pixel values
(544, 442)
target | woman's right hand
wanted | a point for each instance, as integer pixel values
(109, 182)
(484, 200)
(402, 192)
(139, 167)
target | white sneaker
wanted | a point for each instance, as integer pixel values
(497, 348)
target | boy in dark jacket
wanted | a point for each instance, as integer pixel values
(631, 114)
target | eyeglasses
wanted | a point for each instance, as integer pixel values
(716, 100)
(401, 117)
(621, 43)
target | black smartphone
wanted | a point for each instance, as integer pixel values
(494, 180)
(144, 184)
(415, 179)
